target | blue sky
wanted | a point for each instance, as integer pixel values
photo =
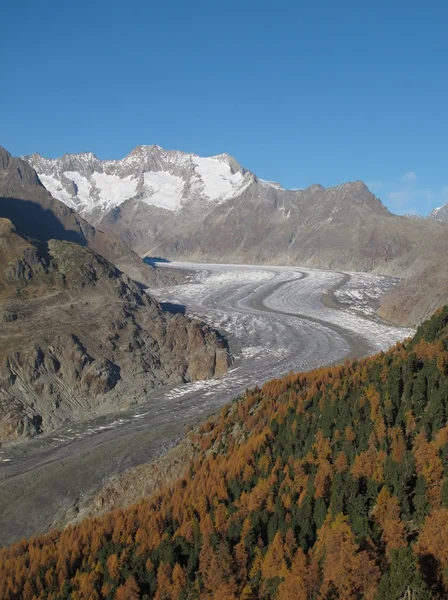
(298, 92)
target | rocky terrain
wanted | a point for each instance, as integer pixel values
(77, 336)
(279, 320)
(179, 205)
(344, 228)
(425, 284)
(170, 180)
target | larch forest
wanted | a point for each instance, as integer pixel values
(320, 485)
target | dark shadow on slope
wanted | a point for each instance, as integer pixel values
(153, 260)
(33, 221)
(142, 285)
(175, 309)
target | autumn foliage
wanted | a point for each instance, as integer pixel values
(322, 485)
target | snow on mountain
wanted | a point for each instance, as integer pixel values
(162, 178)
(56, 189)
(219, 181)
(440, 213)
(163, 190)
(413, 216)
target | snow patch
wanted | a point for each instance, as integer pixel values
(83, 185)
(219, 182)
(57, 190)
(113, 190)
(165, 190)
(363, 291)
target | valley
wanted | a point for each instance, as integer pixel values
(277, 320)
(223, 302)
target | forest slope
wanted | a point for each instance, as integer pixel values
(327, 484)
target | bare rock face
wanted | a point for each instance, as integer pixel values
(78, 338)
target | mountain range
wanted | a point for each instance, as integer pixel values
(78, 337)
(183, 206)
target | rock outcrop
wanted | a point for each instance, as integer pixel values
(440, 213)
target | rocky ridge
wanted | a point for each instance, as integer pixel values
(166, 179)
(179, 205)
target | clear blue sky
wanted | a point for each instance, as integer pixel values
(298, 92)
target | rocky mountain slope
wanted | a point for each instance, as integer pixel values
(439, 214)
(37, 214)
(425, 286)
(78, 338)
(166, 179)
(179, 205)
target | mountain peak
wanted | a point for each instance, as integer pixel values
(15, 171)
(315, 187)
(144, 149)
(355, 186)
(413, 216)
(83, 155)
(223, 157)
(440, 213)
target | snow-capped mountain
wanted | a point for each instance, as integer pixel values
(157, 177)
(180, 205)
(439, 214)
